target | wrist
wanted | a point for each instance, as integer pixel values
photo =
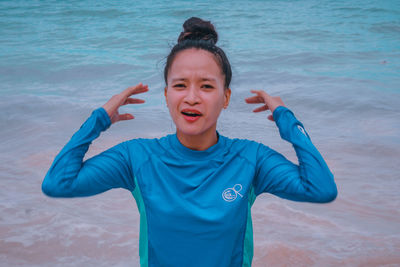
(278, 111)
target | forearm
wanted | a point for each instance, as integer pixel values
(68, 176)
(314, 181)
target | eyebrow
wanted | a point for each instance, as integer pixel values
(202, 79)
(208, 79)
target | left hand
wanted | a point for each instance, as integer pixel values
(261, 97)
(124, 98)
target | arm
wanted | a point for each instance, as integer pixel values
(310, 181)
(68, 176)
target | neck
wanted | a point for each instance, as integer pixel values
(198, 142)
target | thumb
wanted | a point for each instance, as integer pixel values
(271, 118)
(126, 116)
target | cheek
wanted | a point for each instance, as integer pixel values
(217, 104)
(172, 100)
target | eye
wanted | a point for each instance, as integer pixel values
(207, 86)
(178, 85)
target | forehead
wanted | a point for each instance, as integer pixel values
(195, 62)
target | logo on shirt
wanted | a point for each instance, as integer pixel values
(230, 194)
(302, 130)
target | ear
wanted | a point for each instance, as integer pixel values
(227, 96)
(165, 94)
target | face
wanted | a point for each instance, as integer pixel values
(195, 93)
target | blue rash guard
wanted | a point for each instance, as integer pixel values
(195, 206)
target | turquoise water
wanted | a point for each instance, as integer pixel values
(334, 63)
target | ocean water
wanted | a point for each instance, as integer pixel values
(336, 64)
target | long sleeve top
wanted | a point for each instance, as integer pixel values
(195, 206)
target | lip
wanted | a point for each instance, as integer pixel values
(191, 118)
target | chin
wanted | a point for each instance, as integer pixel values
(197, 128)
(190, 131)
(194, 130)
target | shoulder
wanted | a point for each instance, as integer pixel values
(242, 144)
(245, 148)
(140, 150)
(147, 145)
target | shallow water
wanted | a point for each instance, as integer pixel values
(335, 64)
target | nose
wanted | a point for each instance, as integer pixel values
(192, 96)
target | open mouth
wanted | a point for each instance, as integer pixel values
(191, 114)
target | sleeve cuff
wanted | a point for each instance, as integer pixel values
(278, 112)
(104, 119)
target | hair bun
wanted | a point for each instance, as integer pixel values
(198, 29)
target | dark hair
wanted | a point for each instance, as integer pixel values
(200, 34)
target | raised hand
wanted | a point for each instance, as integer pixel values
(124, 98)
(270, 102)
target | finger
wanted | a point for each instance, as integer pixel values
(133, 101)
(125, 116)
(262, 108)
(137, 89)
(271, 118)
(259, 92)
(262, 94)
(254, 100)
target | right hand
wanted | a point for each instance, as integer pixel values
(270, 102)
(124, 98)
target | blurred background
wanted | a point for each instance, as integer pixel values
(335, 64)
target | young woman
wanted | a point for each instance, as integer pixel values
(194, 189)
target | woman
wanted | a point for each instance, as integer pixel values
(194, 189)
